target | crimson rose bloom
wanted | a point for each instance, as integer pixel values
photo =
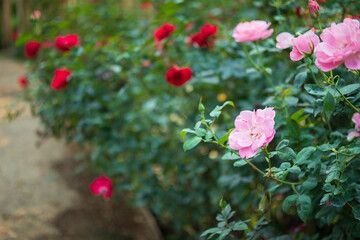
(206, 37)
(163, 31)
(32, 48)
(60, 79)
(22, 81)
(102, 186)
(178, 76)
(65, 43)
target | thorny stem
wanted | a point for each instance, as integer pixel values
(312, 73)
(255, 167)
(346, 100)
(326, 78)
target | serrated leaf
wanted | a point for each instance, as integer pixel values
(349, 88)
(185, 131)
(333, 175)
(210, 231)
(240, 163)
(356, 212)
(282, 144)
(295, 169)
(191, 142)
(324, 198)
(303, 207)
(230, 156)
(239, 226)
(304, 155)
(309, 184)
(315, 90)
(288, 202)
(300, 78)
(329, 104)
(337, 201)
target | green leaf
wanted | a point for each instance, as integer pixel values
(217, 110)
(356, 212)
(304, 155)
(324, 198)
(293, 128)
(185, 131)
(210, 231)
(240, 163)
(191, 142)
(329, 104)
(295, 170)
(282, 144)
(315, 90)
(337, 201)
(239, 226)
(300, 78)
(24, 38)
(303, 205)
(309, 184)
(288, 202)
(230, 156)
(297, 114)
(333, 175)
(349, 88)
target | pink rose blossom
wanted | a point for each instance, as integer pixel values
(284, 40)
(314, 8)
(102, 186)
(341, 43)
(303, 44)
(353, 135)
(253, 130)
(252, 31)
(35, 15)
(356, 120)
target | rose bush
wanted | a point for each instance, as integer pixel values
(120, 101)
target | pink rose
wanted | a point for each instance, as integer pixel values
(284, 40)
(356, 120)
(253, 130)
(252, 31)
(341, 43)
(35, 15)
(102, 186)
(304, 44)
(353, 135)
(314, 8)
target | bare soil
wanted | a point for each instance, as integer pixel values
(42, 196)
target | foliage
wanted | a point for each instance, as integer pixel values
(119, 103)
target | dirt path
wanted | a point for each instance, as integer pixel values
(41, 195)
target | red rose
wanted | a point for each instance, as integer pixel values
(65, 43)
(206, 37)
(298, 11)
(32, 49)
(22, 81)
(145, 5)
(102, 186)
(60, 79)
(164, 31)
(178, 76)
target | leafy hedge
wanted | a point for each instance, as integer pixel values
(118, 102)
